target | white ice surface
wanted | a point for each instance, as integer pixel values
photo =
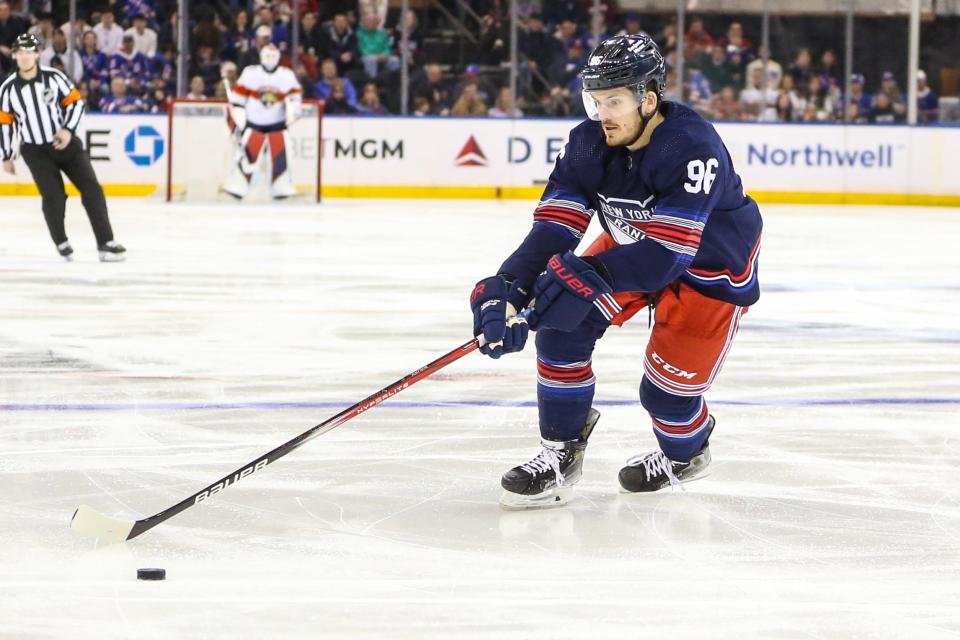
(826, 515)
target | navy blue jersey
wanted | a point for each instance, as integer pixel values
(676, 208)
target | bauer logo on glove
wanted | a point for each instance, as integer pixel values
(565, 292)
(570, 279)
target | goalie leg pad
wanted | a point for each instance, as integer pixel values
(253, 142)
(278, 153)
(248, 152)
(281, 175)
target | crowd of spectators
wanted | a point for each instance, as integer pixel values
(729, 78)
(124, 60)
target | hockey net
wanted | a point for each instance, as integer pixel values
(202, 152)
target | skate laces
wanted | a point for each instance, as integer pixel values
(547, 460)
(655, 464)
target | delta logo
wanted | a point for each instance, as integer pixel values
(471, 155)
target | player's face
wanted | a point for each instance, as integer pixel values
(618, 113)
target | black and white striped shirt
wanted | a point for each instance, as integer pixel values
(37, 108)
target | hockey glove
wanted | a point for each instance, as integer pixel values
(495, 316)
(564, 293)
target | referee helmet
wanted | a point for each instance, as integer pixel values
(27, 42)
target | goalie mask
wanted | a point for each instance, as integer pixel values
(270, 57)
(631, 62)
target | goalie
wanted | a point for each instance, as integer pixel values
(264, 103)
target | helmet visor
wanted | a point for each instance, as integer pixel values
(610, 104)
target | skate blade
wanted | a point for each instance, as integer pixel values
(106, 256)
(556, 497)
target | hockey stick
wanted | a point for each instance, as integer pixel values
(88, 521)
(228, 90)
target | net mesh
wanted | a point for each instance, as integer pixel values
(203, 151)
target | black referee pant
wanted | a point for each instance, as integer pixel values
(45, 165)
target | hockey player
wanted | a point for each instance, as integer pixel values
(679, 236)
(264, 103)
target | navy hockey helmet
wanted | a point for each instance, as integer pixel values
(630, 61)
(27, 42)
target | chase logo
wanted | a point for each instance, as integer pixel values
(143, 145)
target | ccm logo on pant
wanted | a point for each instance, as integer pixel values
(669, 368)
(570, 279)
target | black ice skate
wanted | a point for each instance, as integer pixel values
(654, 471)
(112, 251)
(66, 251)
(548, 479)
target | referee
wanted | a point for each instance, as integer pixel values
(45, 108)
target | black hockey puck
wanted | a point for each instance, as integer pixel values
(151, 574)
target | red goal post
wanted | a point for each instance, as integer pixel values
(201, 150)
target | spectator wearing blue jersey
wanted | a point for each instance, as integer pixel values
(164, 66)
(927, 103)
(329, 77)
(859, 102)
(119, 101)
(130, 64)
(145, 8)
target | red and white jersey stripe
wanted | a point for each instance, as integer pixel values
(571, 215)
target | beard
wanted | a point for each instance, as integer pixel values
(621, 135)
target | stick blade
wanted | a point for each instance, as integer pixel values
(90, 522)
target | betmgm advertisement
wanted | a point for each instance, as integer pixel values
(512, 158)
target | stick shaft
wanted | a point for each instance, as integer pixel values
(140, 526)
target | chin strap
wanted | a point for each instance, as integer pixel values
(644, 120)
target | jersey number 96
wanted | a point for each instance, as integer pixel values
(701, 175)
